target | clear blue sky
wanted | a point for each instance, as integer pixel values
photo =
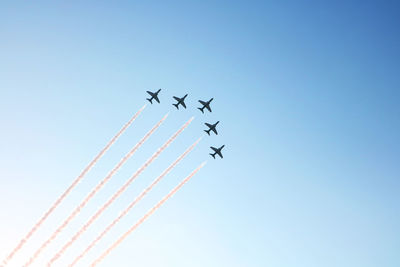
(308, 96)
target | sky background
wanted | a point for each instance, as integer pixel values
(308, 96)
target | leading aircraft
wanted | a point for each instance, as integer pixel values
(217, 151)
(205, 105)
(212, 128)
(180, 101)
(153, 96)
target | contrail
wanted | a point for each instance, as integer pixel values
(147, 215)
(121, 190)
(69, 189)
(93, 192)
(137, 199)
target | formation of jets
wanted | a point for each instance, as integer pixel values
(206, 105)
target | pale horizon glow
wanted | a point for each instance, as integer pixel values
(92, 193)
(133, 203)
(120, 190)
(145, 217)
(71, 187)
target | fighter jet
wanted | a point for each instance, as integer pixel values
(217, 151)
(212, 128)
(205, 105)
(153, 96)
(180, 101)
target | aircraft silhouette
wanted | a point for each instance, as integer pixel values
(205, 105)
(180, 101)
(212, 127)
(153, 96)
(217, 151)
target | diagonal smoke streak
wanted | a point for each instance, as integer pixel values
(133, 203)
(69, 189)
(92, 193)
(146, 216)
(119, 192)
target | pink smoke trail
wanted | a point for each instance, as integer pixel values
(137, 199)
(69, 189)
(146, 216)
(92, 193)
(119, 192)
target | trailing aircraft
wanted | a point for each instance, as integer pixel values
(205, 105)
(180, 101)
(217, 151)
(212, 127)
(153, 96)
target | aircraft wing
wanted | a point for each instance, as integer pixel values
(208, 125)
(215, 131)
(220, 154)
(203, 103)
(183, 104)
(156, 98)
(214, 148)
(177, 98)
(208, 107)
(150, 93)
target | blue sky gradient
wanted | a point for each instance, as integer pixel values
(308, 96)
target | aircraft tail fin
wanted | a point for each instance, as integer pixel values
(176, 105)
(213, 155)
(201, 109)
(207, 131)
(150, 100)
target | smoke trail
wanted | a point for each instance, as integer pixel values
(137, 199)
(120, 191)
(93, 192)
(147, 215)
(69, 189)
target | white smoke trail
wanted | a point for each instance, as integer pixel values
(92, 193)
(120, 191)
(69, 189)
(146, 216)
(133, 203)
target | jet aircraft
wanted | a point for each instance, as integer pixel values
(212, 127)
(153, 96)
(180, 101)
(205, 105)
(217, 151)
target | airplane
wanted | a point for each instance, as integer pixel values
(153, 96)
(217, 151)
(212, 128)
(205, 105)
(180, 101)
